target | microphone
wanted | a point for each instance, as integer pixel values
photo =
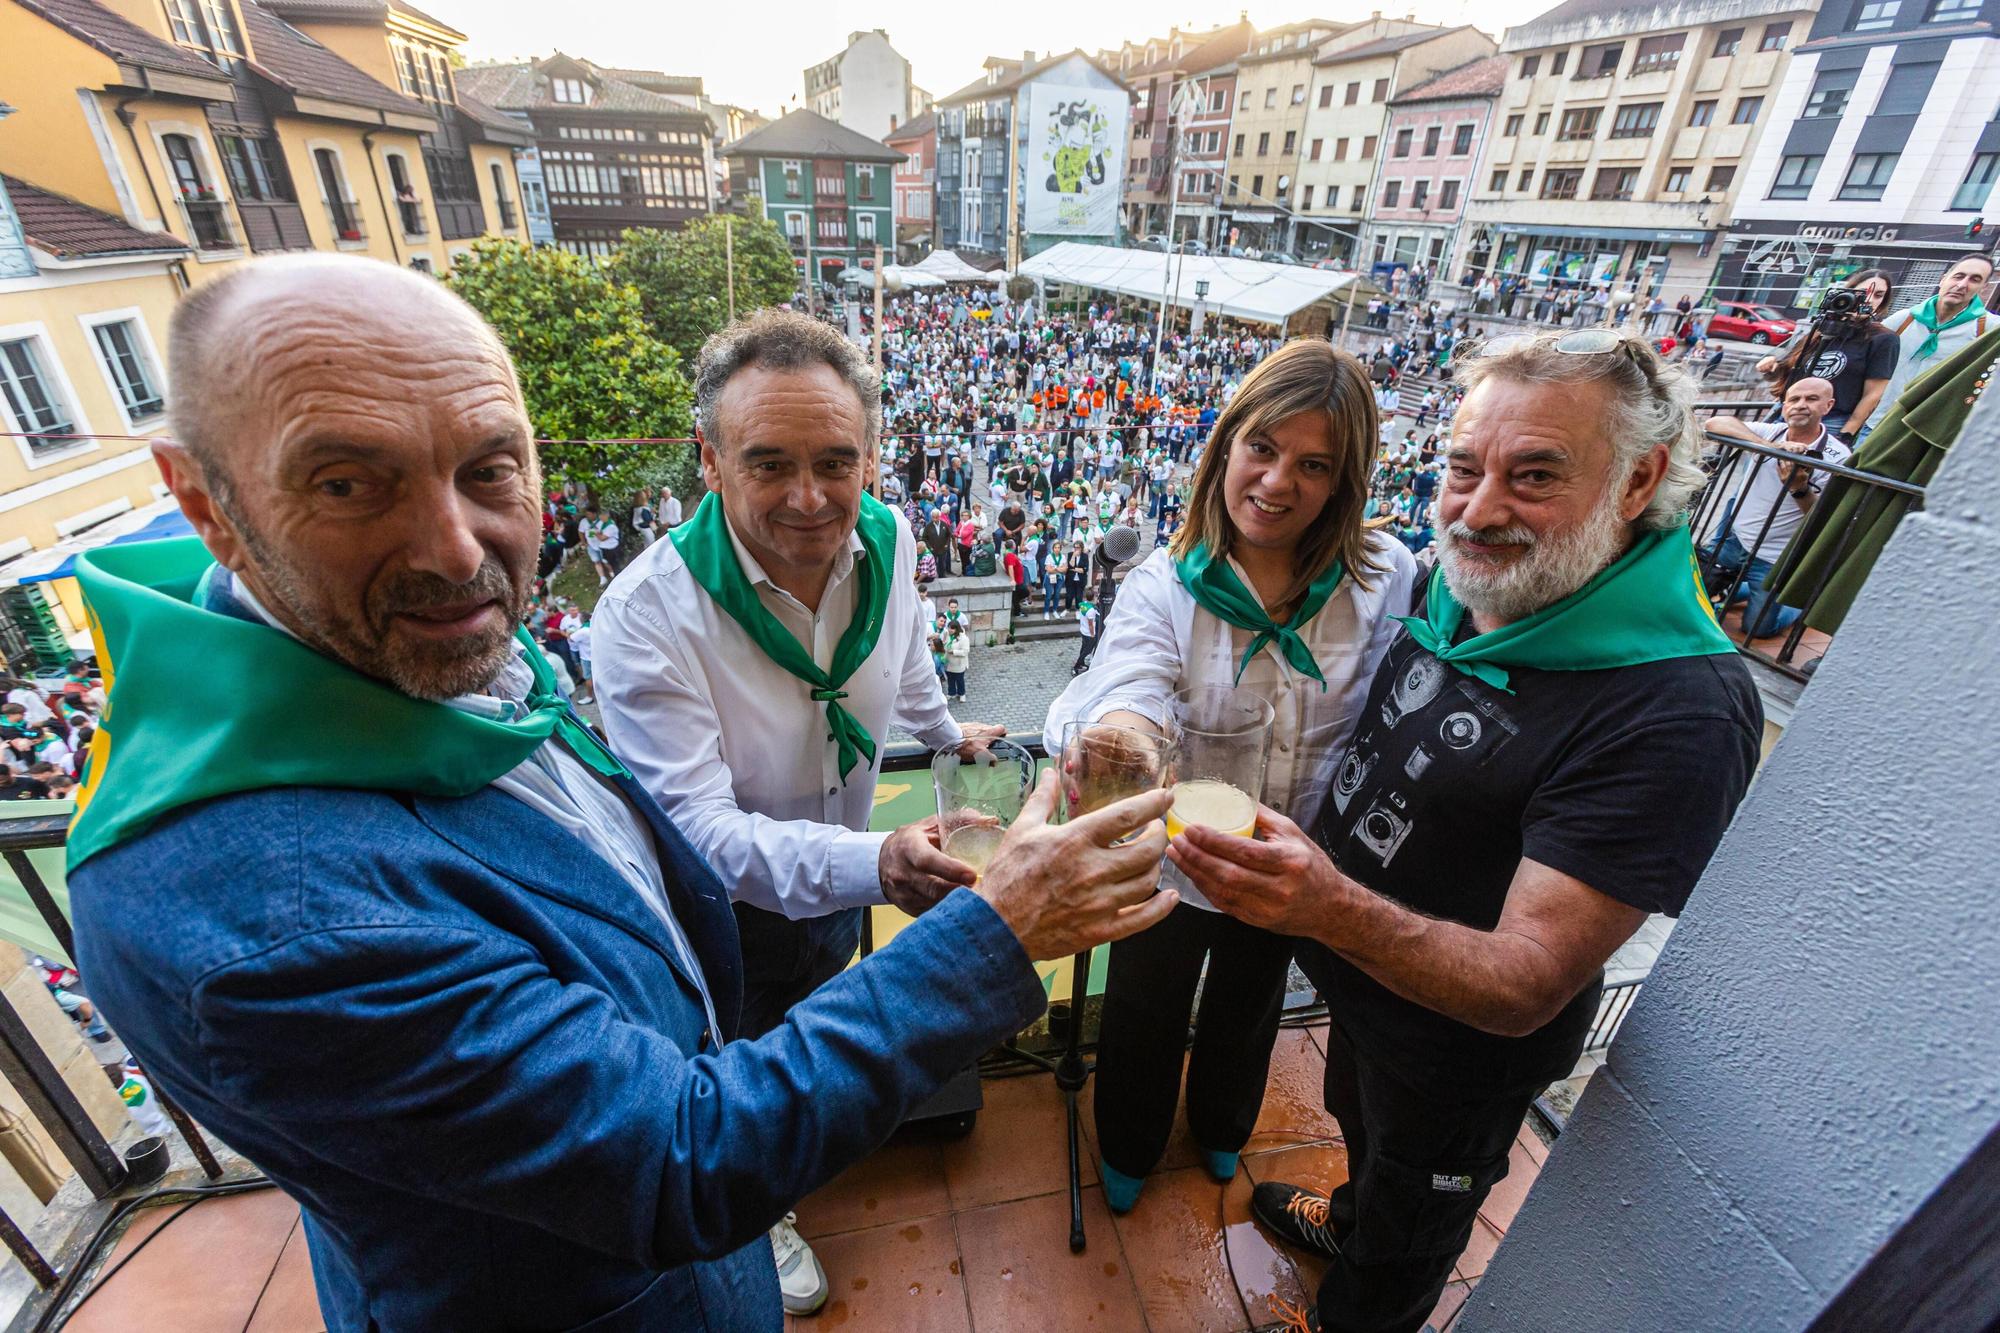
(1120, 545)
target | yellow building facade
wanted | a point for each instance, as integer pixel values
(147, 147)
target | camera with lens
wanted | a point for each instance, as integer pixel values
(1842, 308)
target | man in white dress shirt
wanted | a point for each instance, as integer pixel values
(751, 666)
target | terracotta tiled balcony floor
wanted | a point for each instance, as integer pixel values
(964, 1236)
(974, 1234)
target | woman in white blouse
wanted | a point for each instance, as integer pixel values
(1273, 585)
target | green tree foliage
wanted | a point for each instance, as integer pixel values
(682, 276)
(591, 369)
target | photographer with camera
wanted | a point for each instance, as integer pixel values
(1773, 503)
(1846, 346)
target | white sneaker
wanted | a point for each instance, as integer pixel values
(800, 1278)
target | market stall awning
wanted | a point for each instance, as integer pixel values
(1239, 288)
(946, 264)
(155, 522)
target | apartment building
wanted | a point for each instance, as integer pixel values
(1163, 142)
(1434, 132)
(1273, 81)
(915, 182)
(866, 87)
(826, 186)
(1625, 134)
(619, 148)
(982, 130)
(1355, 79)
(151, 145)
(1890, 150)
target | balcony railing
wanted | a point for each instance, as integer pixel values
(208, 224)
(508, 218)
(28, 1068)
(1734, 465)
(345, 221)
(412, 214)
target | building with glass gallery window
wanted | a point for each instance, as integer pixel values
(1889, 158)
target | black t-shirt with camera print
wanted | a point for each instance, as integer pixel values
(1623, 778)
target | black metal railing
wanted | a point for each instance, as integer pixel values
(1611, 1010)
(1747, 572)
(508, 218)
(27, 1067)
(208, 224)
(413, 217)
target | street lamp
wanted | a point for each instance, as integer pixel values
(1201, 289)
(1200, 295)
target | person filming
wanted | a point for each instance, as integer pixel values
(1845, 345)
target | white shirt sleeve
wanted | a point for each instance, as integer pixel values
(666, 730)
(1137, 665)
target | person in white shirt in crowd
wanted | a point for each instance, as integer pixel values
(752, 666)
(1933, 330)
(1773, 499)
(579, 646)
(670, 508)
(600, 537)
(1273, 586)
(36, 707)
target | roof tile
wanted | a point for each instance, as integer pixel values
(804, 134)
(71, 230)
(522, 88)
(1484, 77)
(119, 37)
(296, 62)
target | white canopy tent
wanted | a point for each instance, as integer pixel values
(1248, 289)
(946, 264)
(898, 277)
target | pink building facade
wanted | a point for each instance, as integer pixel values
(915, 183)
(1424, 171)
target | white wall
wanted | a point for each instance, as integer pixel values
(874, 86)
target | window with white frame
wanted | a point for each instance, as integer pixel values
(573, 91)
(126, 357)
(864, 224)
(38, 404)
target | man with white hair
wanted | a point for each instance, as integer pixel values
(1550, 754)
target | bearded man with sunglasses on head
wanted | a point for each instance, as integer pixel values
(1548, 754)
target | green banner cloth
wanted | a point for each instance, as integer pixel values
(704, 544)
(1852, 521)
(1217, 590)
(204, 704)
(1645, 606)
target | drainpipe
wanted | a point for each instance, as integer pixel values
(392, 221)
(125, 117)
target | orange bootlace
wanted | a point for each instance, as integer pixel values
(1291, 1318)
(1310, 1209)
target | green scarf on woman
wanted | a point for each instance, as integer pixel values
(1217, 590)
(1645, 606)
(704, 544)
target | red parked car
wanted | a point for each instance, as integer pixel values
(1751, 323)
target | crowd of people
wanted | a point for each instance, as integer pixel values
(463, 927)
(45, 733)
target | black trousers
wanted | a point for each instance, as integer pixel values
(1422, 1154)
(784, 960)
(1148, 991)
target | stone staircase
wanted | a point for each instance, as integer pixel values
(1030, 628)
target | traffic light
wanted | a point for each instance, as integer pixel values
(1974, 228)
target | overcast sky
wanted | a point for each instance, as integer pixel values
(754, 52)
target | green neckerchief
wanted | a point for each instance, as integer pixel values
(1926, 315)
(203, 704)
(1217, 590)
(704, 544)
(1646, 606)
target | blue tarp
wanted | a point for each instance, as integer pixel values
(172, 524)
